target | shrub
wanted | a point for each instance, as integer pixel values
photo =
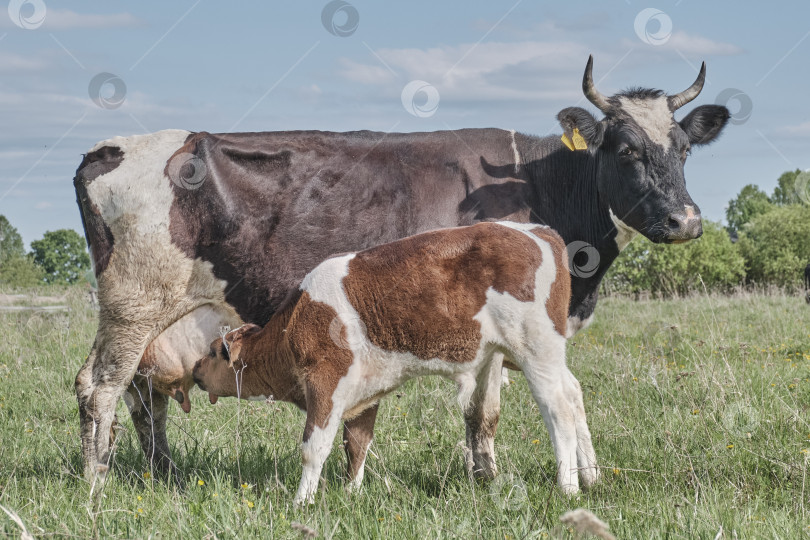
(20, 272)
(776, 246)
(668, 270)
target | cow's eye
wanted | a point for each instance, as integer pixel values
(627, 151)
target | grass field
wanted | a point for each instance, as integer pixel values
(698, 408)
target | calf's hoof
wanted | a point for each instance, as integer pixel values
(589, 476)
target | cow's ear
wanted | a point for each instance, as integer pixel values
(591, 129)
(705, 123)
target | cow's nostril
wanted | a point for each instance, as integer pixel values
(674, 223)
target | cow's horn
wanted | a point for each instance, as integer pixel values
(679, 100)
(593, 95)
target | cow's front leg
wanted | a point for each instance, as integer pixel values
(357, 435)
(481, 418)
(149, 411)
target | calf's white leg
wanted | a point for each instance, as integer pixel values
(586, 455)
(316, 446)
(549, 382)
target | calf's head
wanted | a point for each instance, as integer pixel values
(640, 153)
(225, 371)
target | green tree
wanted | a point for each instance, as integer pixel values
(785, 191)
(750, 202)
(776, 246)
(668, 270)
(62, 255)
(11, 244)
(21, 272)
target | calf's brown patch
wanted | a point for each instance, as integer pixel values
(420, 294)
(319, 359)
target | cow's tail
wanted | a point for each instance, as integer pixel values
(99, 237)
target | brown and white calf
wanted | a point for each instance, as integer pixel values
(438, 303)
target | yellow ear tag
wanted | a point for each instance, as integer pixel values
(579, 140)
(567, 142)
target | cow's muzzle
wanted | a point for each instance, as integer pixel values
(684, 226)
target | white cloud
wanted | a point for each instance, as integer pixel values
(802, 129)
(43, 205)
(527, 70)
(10, 62)
(65, 19)
(688, 45)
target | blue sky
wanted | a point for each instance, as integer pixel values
(265, 66)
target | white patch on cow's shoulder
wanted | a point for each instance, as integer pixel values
(575, 324)
(624, 232)
(653, 116)
(515, 153)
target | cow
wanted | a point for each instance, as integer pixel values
(442, 303)
(219, 228)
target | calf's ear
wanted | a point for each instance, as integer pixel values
(704, 124)
(232, 341)
(591, 129)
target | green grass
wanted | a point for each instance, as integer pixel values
(698, 408)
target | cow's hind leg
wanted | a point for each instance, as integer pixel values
(118, 351)
(149, 412)
(357, 435)
(84, 390)
(481, 418)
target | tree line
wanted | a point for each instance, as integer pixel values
(766, 242)
(58, 258)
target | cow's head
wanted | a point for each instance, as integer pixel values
(641, 151)
(224, 370)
